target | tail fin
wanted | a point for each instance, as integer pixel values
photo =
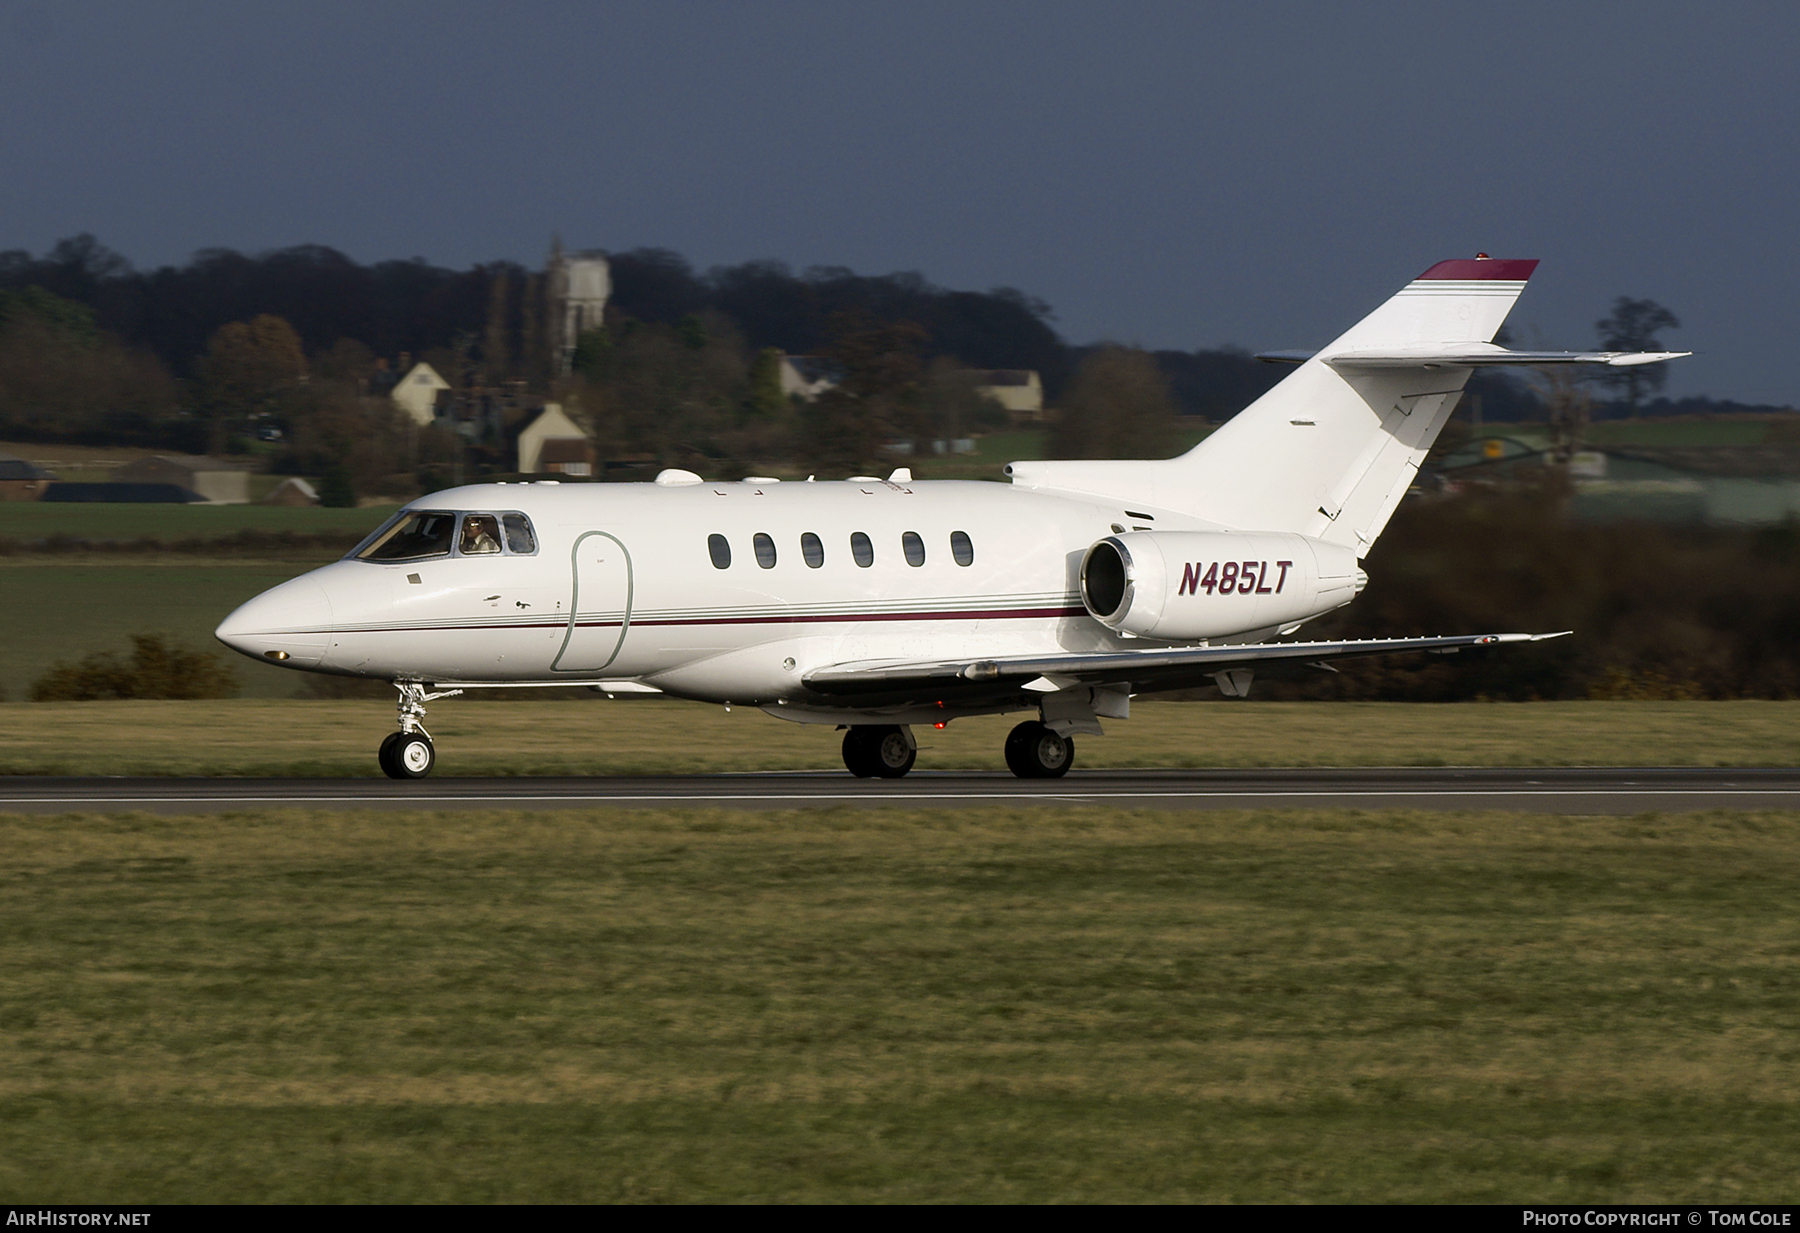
(1330, 451)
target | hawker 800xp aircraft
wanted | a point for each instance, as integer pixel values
(876, 605)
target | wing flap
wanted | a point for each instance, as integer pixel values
(1140, 668)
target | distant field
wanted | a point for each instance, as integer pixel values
(518, 735)
(1679, 432)
(52, 610)
(35, 520)
(978, 1005)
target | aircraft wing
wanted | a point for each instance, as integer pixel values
(1168, 667)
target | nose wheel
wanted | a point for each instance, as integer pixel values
(407, 755)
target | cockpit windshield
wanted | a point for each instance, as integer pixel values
(414, 534)
(409, 535)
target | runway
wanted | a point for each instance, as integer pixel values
(1584, 790)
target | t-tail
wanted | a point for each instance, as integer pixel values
(1331, 450)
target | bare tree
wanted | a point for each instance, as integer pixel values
(1632, 327)
(1569, 406)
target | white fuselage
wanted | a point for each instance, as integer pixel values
(622, 586)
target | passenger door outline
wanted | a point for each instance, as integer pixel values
(575, 602)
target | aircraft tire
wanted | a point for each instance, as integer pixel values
(857, 755)
(1034, 751)
(386, 756)
(411, 757)
(878, 751)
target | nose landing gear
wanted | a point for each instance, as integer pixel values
(409, 753)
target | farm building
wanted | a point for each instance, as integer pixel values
(21, 480)
(117, 493)
(292, 491)
(220, 483)
(417, 393)
(550, 440)
(1019, 390)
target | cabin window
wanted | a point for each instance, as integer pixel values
(962, 548)
(765, 550)
(812, 551)
(914, 547)
(861, 550)
(720, 550)
(410, 534)
(480, 536)
(519, 535)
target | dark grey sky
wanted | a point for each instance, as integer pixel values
(1176, 175)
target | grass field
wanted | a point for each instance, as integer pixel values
(986, 1004)
(1680, 432)
(35, 520)
(57, 608)
(521, 736)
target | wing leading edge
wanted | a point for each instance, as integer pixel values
(1151, 669)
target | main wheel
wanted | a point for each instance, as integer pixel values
(878, 751)
(409, 756)
(1036, 752)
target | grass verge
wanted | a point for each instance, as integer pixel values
(522, 736)
(987, 1004)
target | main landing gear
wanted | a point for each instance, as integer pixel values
(879, 751)
(1034, 751)
(409, 753)
(886, 751)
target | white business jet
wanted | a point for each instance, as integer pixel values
(880, 604)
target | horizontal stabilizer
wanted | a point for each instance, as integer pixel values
(1468, 355)
(1150, 669)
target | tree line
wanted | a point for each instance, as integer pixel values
(205, 355)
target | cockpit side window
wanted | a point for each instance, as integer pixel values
(410, 535)
(480, 536)
(519, 536)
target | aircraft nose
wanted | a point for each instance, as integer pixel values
(290, 625)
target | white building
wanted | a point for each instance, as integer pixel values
(552, 428)
(417, 392)
(807, 376)
(1017, 389)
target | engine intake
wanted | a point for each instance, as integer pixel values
(1187, 585)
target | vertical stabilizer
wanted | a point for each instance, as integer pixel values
(1330, 451)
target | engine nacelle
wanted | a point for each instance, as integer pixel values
(1187, 585)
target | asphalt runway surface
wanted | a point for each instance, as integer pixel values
(1583, 790)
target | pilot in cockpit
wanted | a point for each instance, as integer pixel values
(480, 535)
